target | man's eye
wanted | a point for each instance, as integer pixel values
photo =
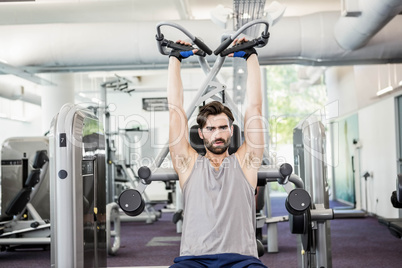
(210, 128)
(224, 127)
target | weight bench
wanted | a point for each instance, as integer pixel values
(394, 225)
(18, 230)
(20, 201)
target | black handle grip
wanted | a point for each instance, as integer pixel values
(161, 40)
(240, 47)
(202, 46)
(258, 42)
(223, 46)
(178, 46)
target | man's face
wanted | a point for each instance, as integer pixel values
(216, 133)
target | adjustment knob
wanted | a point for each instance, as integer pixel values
(131, 202)
(298, 201)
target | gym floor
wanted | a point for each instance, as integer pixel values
(360, 242)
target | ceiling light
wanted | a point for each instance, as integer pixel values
(384, 90)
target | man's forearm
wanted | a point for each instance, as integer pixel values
(254, 94)
(175, 86)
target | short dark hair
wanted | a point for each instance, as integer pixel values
(213, 108)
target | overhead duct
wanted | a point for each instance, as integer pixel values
(52, 47)
(14, 92)
(354, 32)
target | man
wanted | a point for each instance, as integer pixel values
(218, 188)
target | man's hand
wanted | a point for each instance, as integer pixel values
(182, 54)
(246, 53)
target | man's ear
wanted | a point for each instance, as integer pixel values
(231, 131)
(200, 134)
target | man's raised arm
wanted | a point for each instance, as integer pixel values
(253, 125)
(251, 152)
(181, 152)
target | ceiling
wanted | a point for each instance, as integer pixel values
(47, 36)
(58, 36)
(150, 10)
(51, 36)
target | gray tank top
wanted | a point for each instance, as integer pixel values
(219, 210)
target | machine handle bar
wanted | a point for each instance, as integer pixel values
(282, 175)
(203, 49)
(258, 42)
(173, 45)
(253, 43)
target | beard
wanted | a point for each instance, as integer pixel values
(217, 149)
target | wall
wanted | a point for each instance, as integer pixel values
(340, 83)
(14, 128)
(354, 90)
(378, 155)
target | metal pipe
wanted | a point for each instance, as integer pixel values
(297, 181)
(354, 32)
(322, 214)
(25, 241)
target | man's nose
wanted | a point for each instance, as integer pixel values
(218, 134)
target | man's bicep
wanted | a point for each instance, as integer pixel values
(178, 132)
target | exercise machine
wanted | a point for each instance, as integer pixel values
(210, 88)
(119, 173)
(122, 157)
(79, 211)
(313, 223)
(394, 225)
(308, 210)
(25, 193)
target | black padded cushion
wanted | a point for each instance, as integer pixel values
(40, 159)
(195, 141)
(19, 202)
(198, 144)
(33, 178)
